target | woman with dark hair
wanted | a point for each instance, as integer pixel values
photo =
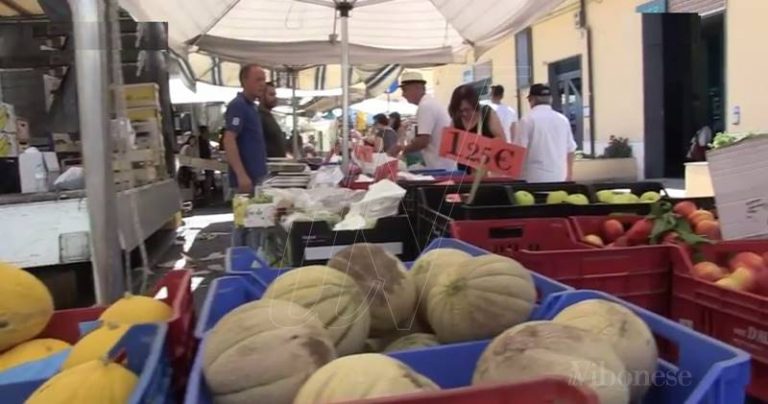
(467, 114)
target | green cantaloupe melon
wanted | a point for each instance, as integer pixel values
(427, 268)
(359, 377)
(334, 297)
(413, 341)
(544, 348)
(384, 281)
(480, 298)
(26, 306)
(263, 351)
(627, 333)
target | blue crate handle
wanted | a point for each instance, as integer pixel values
(243, 259)
(224, 295)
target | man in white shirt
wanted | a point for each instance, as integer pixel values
(431, 119)
(547, 136)
(507, 115)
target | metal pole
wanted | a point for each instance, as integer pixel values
(344, 9)
(91, 48)
(295, 103)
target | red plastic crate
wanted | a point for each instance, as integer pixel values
(584, 225)
(737, 318)
(539, 391)
(181, 343)
(640, 275)
(507, 236)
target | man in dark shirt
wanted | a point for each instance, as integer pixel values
(273, 133)
(244, 136)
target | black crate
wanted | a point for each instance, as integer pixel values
(435, 213)
(603, 209)
(312, 243)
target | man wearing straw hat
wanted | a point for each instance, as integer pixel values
(431, 119)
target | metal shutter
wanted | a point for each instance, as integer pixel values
(695, 6)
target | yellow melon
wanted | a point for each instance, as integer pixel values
(97, 381)
(26, 306)
(31, 350)
(135, 309)
(96, 344)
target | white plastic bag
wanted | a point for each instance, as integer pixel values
(382, 200)
(70, 180)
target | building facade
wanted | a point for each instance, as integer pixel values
(654, 72)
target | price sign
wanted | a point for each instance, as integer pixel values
(364, 153)
(386, 171)
(472, 149)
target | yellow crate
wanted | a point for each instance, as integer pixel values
(141, 95)
(143, 114)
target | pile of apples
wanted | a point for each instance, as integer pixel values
(746, 272)
(613, 233)
(702, 222)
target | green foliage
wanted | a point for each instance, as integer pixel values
(618, 147)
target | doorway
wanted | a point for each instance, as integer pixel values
(565, 82)
(684, 87)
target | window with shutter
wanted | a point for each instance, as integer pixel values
(696, 6)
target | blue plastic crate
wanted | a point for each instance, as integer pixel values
(146, 354)
(244, 259)
(719, 373)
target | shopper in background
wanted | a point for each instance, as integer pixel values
(206, 153)
(468, 115)
(507, 115)
(388, 136)
(547, 136)
(244, 136)
(431, 119)
(273, 133)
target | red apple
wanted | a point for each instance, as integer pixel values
(612, 230)
(594, 240)
(685, 208)
(709, 229)
(640, 232)
(708, 271)
(744, 279)
(747, 260)
(699, 216)
(621, 242)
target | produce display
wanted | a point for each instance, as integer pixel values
(333, 297)
(388, 287)
(480, 297)
(525, 198)
(26, 307)
(263, 351)
(684, 224)
(422, 268)
(546, 348)
(745, 271)
(629, 336)
(412, 341)
(97, 381)
(31, 350)
(360, 377)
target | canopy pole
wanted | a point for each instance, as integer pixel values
(91, 48)
(295, 102)
(344, 8)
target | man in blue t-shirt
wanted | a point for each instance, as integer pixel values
(244, 137)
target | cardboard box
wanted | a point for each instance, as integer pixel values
(740, 181)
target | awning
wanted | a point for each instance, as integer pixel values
(299, 33)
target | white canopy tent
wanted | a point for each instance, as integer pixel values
(304, 32)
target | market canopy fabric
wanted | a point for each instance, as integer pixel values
(304, 32)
